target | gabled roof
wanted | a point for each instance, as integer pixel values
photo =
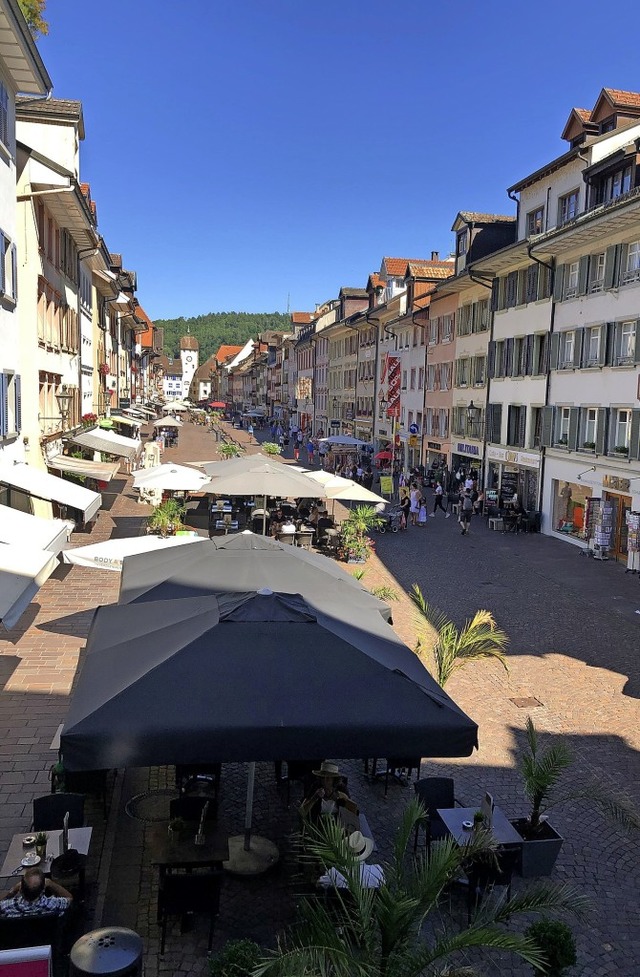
(226, 352)
(19, 53)
(473, 217)
(430, 269)
(301, 318)
(171, 366)
(66, 110)
(374, 281)
(621, 99)
(396, 267)
(354, 293)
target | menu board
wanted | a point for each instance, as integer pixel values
(508, 485)
(386, 485)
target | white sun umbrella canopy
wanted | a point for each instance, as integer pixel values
(242, 463)
(170, 478)
(167, 422)
(343, 441)
(267, 479)
(110, 554)
(345, 488)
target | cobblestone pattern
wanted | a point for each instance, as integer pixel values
(574, 641)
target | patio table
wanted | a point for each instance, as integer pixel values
(501, 828)
(79, 838)
(183, 853)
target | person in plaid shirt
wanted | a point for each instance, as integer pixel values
(35, 896)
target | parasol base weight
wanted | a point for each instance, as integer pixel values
(262, 856)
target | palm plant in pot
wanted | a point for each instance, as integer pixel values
(229, 449)
(355, 544)
(166, 518)
(541, 770)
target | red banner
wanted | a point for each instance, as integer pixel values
(393, 386)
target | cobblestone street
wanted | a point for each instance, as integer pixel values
(574, 626)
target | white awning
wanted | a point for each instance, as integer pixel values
(102, 471)
(26, 530)
(99, 439)
(42, 485)
(110, 554)
(128, 421)
(22, 573)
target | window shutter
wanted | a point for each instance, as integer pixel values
(636, 356)
(14, 273)
(634, 442)
(491, 360)
(508, 357)
(583, 275)
(623, 252)
(607, 343)
(574, 418)
(610, 266)
(558, 283)
(578, 342)
(3, 269)
(489, 422)
(522, 287)
(522, 426)
(495, 294)
(497, 423)
(601, 431)
(528, 368)
(4, 411)
(17, 388)
(555, 351)
(547, 426)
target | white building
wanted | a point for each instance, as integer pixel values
(21, 70)
(189, 353)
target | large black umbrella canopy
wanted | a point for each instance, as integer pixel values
(252, 677)
(242, 563)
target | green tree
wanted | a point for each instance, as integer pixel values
(33, 11)
(453, 648)
(230, 449)
(217, 328)
(366, 932)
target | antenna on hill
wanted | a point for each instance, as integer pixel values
(288, 302)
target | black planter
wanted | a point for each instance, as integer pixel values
(539, 853)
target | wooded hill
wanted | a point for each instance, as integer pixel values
(215, 328)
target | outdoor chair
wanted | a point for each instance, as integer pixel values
(191, 893)
(392, 767)
(300, 771)
(287, 538)
(190, 808)
(433, 793)
(69, 870)
(49, 811)
(484, 874)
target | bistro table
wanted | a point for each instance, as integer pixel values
(501, 828)
(183, 853)
(79, 838)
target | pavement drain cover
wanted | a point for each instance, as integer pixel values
(151, 806)
(526, 703)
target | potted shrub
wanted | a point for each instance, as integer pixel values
(41, 843)
(238, 958)
(166, 518)
(541, 771)
(355, 544)
(589, 445)
(271, 448)
(621, 449)
(229, 449)
(556, 943)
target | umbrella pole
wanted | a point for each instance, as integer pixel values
(248, 813)
(264, 515)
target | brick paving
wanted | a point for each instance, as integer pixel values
(574, 646)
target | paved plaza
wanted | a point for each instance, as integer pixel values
(574, 628)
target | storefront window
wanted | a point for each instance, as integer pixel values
(569, 505)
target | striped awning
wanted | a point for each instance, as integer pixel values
(102, 471)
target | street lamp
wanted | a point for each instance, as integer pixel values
(64, 398)
(473, 414)
(383, 407)
(334, 404)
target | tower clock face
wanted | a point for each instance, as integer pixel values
(188, 359)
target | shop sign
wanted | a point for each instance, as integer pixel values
(463, 448)
(434, 445)
(615, 483)
(413, 441)
(334, 423)
(522, 458)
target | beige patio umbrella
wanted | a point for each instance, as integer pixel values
(343, 489)
(170, 477)
(167, 422)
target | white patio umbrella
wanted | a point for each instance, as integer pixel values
(343, 440)
(242, 463)
(345, 488)
(110, 554)
(177, 406)
(167, 422)
(170, 478)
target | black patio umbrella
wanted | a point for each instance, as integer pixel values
(247, 677)
(242, 563)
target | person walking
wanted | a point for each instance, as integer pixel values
(438, 498)
(296, 451)
(414, 496)
(405, 506)
(466, 512)
(422, 511)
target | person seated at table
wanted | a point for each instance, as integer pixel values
(323, 523)
(277, 519)
(35, 896)
(371, 876)
(314, 515)
(287, 528)
(303, 509)
(513, 517)
(328, 794)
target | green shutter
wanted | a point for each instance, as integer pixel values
(548, 415)
(610, 266)
(558, 283)
(623, 251)
(17, 389)
(555, 351)
(634, 443)
(602, 351)
(522, 287)
(14, 273)
(610, 343)
(578, 343)
(574, 422)
(601, 431)
(528, 369)
(583, 275)
(522, 427)
(495, 294)
(636, 357)
(491, 359)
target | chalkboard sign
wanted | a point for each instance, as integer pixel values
(386, 485)
(508, 486)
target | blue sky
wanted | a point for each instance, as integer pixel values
(244, 151)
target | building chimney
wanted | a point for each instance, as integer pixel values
(435, 256)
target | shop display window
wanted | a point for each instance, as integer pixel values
(569, 507)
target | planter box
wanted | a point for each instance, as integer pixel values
(539, 855)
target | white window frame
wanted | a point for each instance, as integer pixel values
(593, 354)
(535, 218)
(568, 206)
(632, 269)
(626, 342)
(596, 272)
(590, 433)
(621, 428)
(567, 348)
(571, 283)
(564, 413)
(447, 328)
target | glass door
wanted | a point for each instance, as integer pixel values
(619, 549)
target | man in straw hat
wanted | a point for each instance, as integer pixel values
(359, 848)
(329, 796)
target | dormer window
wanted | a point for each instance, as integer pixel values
(462, 243)
(608, 125)
(608, 186)
(568, 207)
(535, 222)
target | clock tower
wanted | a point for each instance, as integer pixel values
(189, 348)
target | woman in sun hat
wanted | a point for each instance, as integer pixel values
(359, 847)
(329, 795)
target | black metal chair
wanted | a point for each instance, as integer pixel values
(190, 808)
(70, 870)
(297, 770)
(434, 793)
(191, 893)
(189, 774)
(393, 768)
(49, 811)
(485, 873)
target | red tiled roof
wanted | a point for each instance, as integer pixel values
(141, 314)
(398, 266)
(301, 318)
(622, 98)
(375, 280)
(583, 114)
(225, 352)
(431, 269)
